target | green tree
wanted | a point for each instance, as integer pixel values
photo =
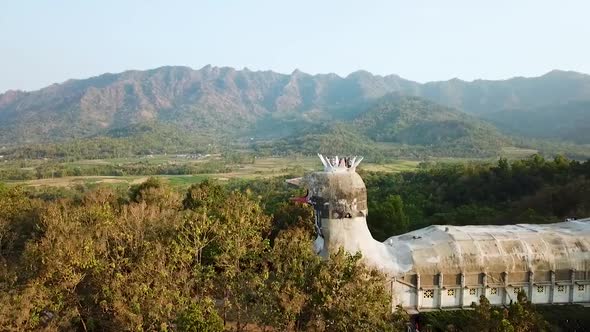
(348, 296)
(200, 318)
(523, 316)
(289, 215)
(204, 194)
(241, 243)
(387, 218)
(155, 192)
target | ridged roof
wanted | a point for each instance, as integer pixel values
(490, 249)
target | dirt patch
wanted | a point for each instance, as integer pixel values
(69, 181)
(139, 180)
(111, 181)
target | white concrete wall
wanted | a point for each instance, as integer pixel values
(495, 295)
(405, 295)
(581, 293)
(430, 298)
(561, 294)
(541, 294)
(451, 297)
(434, 297)
(471, 295)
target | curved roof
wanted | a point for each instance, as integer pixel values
(511, 248)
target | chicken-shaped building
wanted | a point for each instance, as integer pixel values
(451, 266)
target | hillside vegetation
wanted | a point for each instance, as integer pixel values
(229, 107)
(568, 121)
(393, 126)
(415, 121)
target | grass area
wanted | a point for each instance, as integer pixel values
(260, 168)
(512, 152)
(70, 181)
(150, 160)
(393, 167)
(185, 180)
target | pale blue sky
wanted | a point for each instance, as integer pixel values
(48, 41)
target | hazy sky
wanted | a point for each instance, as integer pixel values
(48, 41)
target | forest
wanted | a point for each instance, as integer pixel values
(238, 256)
(533, 190)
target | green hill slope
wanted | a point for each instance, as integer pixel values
(568, 121)
(416, 121)
(298, 111)
(226, 100)
(397, 126)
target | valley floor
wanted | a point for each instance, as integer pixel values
(203, 169)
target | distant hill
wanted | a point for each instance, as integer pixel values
(403, 126)
(484, 96)
(567, 121)
(224, 102)
(416, 121)
(212, 99)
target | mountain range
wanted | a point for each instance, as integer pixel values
(268, 105)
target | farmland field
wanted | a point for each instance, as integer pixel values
(257, 168)
(184, 170)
